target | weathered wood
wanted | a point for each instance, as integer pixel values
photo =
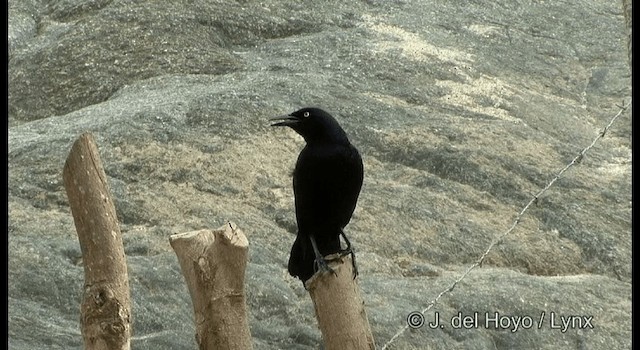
(213, 264)
(339, 307)
(106, 303)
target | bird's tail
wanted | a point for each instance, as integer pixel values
(302, 258)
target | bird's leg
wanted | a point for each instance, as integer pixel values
(320, 263)
(348, 251)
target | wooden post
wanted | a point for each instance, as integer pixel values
(213, 264)
(339, 307)
(106, 304)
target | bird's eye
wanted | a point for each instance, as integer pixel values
(305, 114)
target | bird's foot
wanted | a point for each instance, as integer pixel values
(320, 264)
(350, 251)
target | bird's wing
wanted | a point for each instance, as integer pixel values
(326, 183)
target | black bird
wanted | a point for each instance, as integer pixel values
(326, 184)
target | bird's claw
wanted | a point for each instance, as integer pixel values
(349, 251)
(321, 265)
(345, 252)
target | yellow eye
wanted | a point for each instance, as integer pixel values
(305, 114)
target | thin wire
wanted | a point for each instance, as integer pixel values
(575, 160)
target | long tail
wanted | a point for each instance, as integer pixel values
(301, 260)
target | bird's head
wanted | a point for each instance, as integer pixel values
(314, 124)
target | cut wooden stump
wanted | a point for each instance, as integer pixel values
(339, 307)
(213, 264)
(106, 303)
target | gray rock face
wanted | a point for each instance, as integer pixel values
(462, 112)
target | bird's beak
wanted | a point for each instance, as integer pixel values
(286, 120)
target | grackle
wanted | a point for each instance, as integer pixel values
(326, 184)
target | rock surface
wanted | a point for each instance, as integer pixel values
(462, 112)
